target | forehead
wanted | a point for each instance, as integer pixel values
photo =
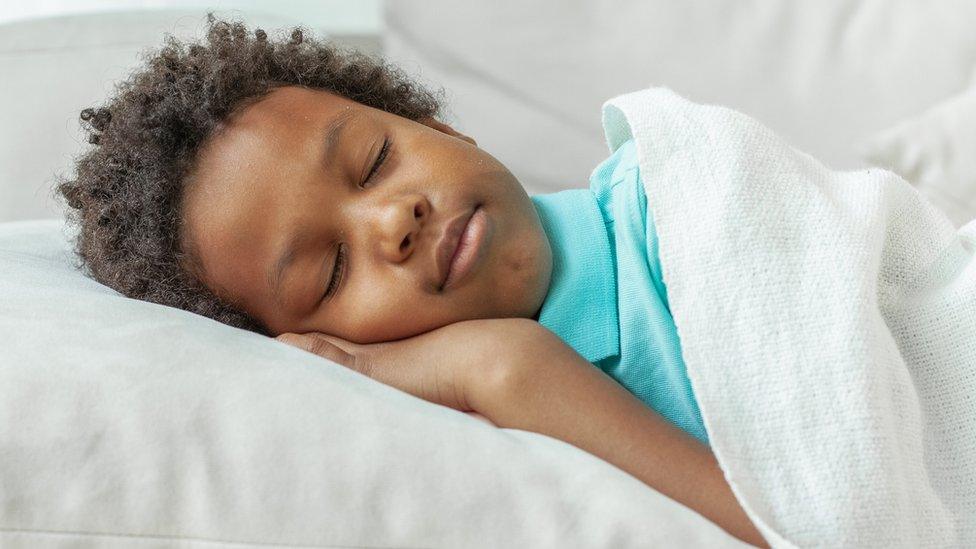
(236, 195)
(283, 112)
(262, 132)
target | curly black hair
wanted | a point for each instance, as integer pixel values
(126, 195)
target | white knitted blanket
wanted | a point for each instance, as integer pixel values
(828, 323)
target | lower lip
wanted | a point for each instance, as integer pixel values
(470, 247)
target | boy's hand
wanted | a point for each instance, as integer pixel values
(457, 365)
(522, 376)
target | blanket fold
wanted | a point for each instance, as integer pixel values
(828, 323)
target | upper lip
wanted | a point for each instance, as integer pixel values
(448, 244)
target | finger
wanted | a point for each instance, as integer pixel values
(347, 346)
(319, 346)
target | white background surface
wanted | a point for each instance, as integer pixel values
(527, 80)
(528, 83)
(332, 16)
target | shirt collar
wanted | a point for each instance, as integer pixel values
(581, 305)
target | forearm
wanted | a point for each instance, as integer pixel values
(565, 397)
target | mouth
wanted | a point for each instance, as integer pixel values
(460, 246)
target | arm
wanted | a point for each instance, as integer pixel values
(517, 374)
(556, 392)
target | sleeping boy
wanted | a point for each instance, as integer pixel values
(310, 194)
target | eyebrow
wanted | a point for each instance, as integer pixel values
(333, 133)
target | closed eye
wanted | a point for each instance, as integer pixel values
(338, 270)
(379, 161)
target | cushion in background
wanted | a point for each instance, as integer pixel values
(936, 151)
(129, 424)
(52, 69)
(527, 79)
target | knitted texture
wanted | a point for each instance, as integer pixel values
(828, 325)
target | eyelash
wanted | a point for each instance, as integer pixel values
(379, 160)
(339, 269)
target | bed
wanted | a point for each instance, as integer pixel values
(128, 424)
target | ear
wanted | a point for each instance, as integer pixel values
(442, 127)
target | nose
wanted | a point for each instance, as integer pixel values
(399, 226)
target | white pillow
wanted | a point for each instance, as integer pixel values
(935, 151)
(127, 424)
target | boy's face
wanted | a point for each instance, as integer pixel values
(279, 177)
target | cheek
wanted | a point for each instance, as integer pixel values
(521, 263)
(521, 277)
(381, 310)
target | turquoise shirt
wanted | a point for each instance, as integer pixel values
(606, 298)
